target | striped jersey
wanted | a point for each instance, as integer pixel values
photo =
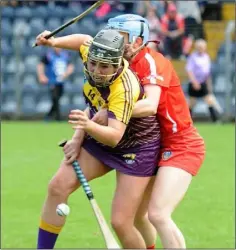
(119, 99)
(173, 113)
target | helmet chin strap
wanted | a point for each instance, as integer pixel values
(136, 51)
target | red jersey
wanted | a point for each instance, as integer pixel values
(173, 113)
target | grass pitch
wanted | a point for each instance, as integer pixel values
(30, 157)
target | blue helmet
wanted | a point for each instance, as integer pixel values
(134, 25)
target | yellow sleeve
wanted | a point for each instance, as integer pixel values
(121, 100)
(84, 52)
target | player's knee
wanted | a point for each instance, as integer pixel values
(141, 219)
(158, 216)
(120, 223)
(209, 100)
(57, 188)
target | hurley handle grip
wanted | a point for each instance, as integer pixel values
(80, 175)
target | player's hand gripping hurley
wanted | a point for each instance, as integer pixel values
(74, 20)
(107, 234)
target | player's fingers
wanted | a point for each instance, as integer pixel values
(43, 34)
(77, 120)
(76, 111)
(70, 157)
(74, 122)
(68, 151)
(78, 127)
(70, 160)
(66, 146)
(74, 117)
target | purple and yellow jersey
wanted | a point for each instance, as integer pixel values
(119, 99)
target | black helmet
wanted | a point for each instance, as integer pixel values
(106, 47)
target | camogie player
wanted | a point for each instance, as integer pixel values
(128, 145)
(182, 148)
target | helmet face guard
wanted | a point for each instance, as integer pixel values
(106, 48)
(99, 80)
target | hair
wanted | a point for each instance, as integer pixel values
(200, 42)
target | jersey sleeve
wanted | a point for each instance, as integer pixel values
(156, 71)
(84, 52)
(190, 64)
(121, 103)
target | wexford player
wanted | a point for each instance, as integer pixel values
(131, 146)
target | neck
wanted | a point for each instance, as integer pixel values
(136, 52)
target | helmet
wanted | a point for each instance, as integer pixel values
(106, 47)
(134, 25)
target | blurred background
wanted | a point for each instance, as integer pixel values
(23, 96)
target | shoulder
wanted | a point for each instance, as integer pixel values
(192, 57)
(180, 17)
(165, 18)
(152, 61)
(126, 85)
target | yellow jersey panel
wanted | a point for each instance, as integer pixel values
(84, 48)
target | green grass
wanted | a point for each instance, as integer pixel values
(30, 157)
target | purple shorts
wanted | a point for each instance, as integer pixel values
(139, 161)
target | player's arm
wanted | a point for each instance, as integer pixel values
(148, 106)
(108, 135)
(71, 42)
(73, 146)
(154, 83)
(120, 105)
(79, 133)
(41, 71)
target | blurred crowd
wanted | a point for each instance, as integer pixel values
(176, 24)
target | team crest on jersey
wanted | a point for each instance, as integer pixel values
(129, 158)
(166, 155)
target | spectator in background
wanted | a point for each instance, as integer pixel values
(199, 72)
(53, 70)
(13, 3)
(107, 10)
(143, 7)
(173, 28)
(155, 30)
(103, 10)
(123, 7)
(190, 10)
(211, 10)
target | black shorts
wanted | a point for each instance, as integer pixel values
(203, 91)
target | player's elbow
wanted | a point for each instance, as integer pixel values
(114, 142)
(153, 110)
(116, 138)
